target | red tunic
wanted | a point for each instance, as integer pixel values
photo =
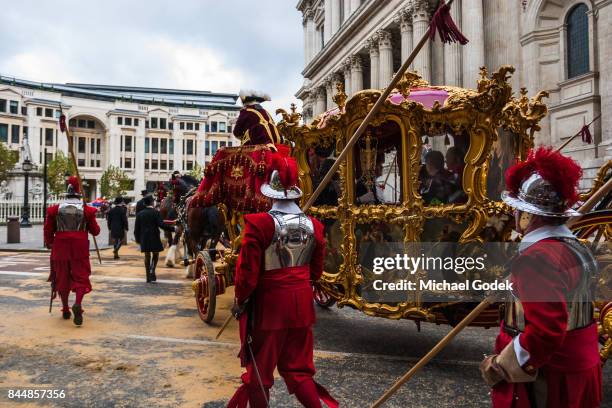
(569, 360)
(70, 268)
(255, 126)
(283, 316)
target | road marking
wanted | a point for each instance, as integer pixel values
(102, 278)
(318, 353)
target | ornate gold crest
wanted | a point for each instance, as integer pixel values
(237, 171)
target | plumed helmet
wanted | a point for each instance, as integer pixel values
(73, 189)
(283, 179)
(545, 184)
(250, 95)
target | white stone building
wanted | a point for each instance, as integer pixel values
(147, 132)
(563, 46)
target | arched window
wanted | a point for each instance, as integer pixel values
(577, 41)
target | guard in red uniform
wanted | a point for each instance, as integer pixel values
(66, 227)
(546, 352)
(281, 255)
(254, 124)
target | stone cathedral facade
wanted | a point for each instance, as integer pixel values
(562, 46)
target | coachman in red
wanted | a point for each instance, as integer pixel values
(255, 125)
(66, 233)
(546, 352)
(281, 255)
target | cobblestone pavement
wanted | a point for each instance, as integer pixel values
(143, 345)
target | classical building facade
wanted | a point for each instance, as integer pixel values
(564, 47)
(147, 132)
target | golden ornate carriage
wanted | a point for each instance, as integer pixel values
(488, 127)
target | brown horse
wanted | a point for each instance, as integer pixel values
(168, 212)
(201, 232)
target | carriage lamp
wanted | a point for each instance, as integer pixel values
(27, 167)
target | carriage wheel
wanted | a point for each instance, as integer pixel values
(206, 299)
(322, 298)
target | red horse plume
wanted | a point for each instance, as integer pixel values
(562, 172)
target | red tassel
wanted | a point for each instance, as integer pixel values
(443, 23)
(586, 135)
(62, 123)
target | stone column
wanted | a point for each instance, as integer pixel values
(453, 69)
(374, 62)
(420, 21)
(329, 93)
(320, 105)
(139, 170)
(406, 33)
(473, 52)
(327, 22)
(311, 32)
(347, 10)
(335, 13)
(437, 63)
(385, 48)
(306, 41)
(356, 74)
(501, 34)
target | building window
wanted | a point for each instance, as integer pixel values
(81, 148)
(146, 124)
(163, 148)
(578, 41)
(135, 122)
(189, 147)
(189, 126)
(48, 137)
(214, 146)
(3, 132)
(39, 111)
(24, 110)
(197, 127)
(213, 126)
(229, 128)
(91, 124)
(182, 126)
(14, 107)
(229, 144)
(163, 165)
(128, 121)
(207, 148)
(222, 127)
(155, 145)
(162, 123)
(48, 113)
(2, 105)
(153, 123)
(146, 164)
(82, 123)
(119, 120)
(147, 145)
(222, 144)
(206, 128)
(15, 134)
(154, 165)
(127, 162)
(171, 150)
(171, 125)
(127, 144)
(171, 164)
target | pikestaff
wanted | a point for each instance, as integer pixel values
(64, 129)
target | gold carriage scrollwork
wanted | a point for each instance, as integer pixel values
(478, 113)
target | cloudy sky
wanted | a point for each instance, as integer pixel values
(221, 45)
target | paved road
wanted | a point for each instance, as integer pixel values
(143, 345)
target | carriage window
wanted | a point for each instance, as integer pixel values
(503, 155)
(377, 166)
(333, 242)
(320, 160)
(442, 167)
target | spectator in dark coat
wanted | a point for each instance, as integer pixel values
(117, 222)
(146, 233)
(140, 203)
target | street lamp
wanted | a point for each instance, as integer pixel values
(27, 166)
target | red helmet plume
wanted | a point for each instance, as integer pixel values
(562, 172)
(73, 181)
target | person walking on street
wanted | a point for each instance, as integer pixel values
(140, 203)
(117, 224)
(66, 233)
(146, 233)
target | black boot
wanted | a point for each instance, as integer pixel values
(153, 266)
(148, 267)
(78, 314)
(66, 315)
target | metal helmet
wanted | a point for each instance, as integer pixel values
(276, 190)
(73, 189)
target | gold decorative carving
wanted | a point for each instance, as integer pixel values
(340, 97)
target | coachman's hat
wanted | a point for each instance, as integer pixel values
(545, 184)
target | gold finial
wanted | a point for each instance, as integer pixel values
(293, 108)
(290, 119)
(340, 97)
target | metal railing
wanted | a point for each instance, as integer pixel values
(14, 207)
